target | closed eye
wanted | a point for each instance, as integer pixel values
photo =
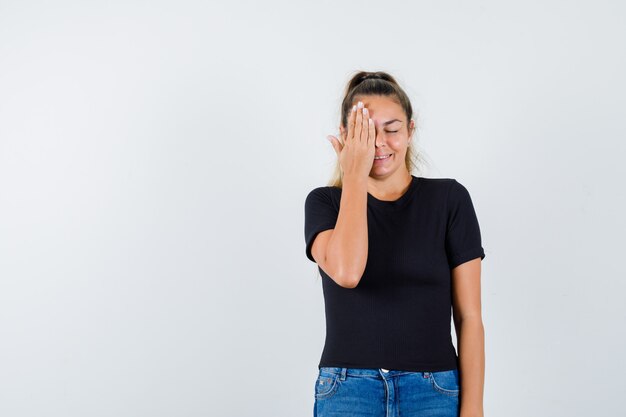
(391, 131)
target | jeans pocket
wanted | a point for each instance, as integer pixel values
(326, 384)
(446, 382)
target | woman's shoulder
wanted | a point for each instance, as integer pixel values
(436, 185)
(324, 190)
(445, 190)
(436, 181)
(324, 194)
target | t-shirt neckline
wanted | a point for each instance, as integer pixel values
(399, 202)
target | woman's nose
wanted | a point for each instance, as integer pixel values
(379, 140)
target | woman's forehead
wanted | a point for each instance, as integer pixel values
(385, 115)
(381, 104)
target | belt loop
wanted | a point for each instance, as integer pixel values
(343, 374)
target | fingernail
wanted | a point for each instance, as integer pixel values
(354, 108)
(360, 104)
(364, 111)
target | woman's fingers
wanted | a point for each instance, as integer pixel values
(342, 135)
(356, 154)
(358, 123)
(360, 126)
(365, 127)
(351, 119)
(335, 142)
(372, 131)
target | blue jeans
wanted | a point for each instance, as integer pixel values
(380, 392)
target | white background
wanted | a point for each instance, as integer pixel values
(155, 157)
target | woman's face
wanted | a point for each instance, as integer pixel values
(392, 133)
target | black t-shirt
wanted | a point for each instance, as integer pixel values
(398, 316)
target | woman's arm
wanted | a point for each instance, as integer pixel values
(342, 251)
(470, 336)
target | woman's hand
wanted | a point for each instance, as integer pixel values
(356, 155)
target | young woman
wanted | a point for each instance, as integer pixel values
(396, 253)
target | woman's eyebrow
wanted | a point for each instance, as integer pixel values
(391, 121)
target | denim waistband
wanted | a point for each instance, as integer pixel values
(369, 372)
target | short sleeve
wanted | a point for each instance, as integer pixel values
(463, 240)
(319, 214)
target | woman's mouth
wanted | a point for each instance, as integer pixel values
(381, 159)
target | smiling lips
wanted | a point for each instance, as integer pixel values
(382, 156)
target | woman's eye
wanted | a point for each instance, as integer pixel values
(391, 131)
